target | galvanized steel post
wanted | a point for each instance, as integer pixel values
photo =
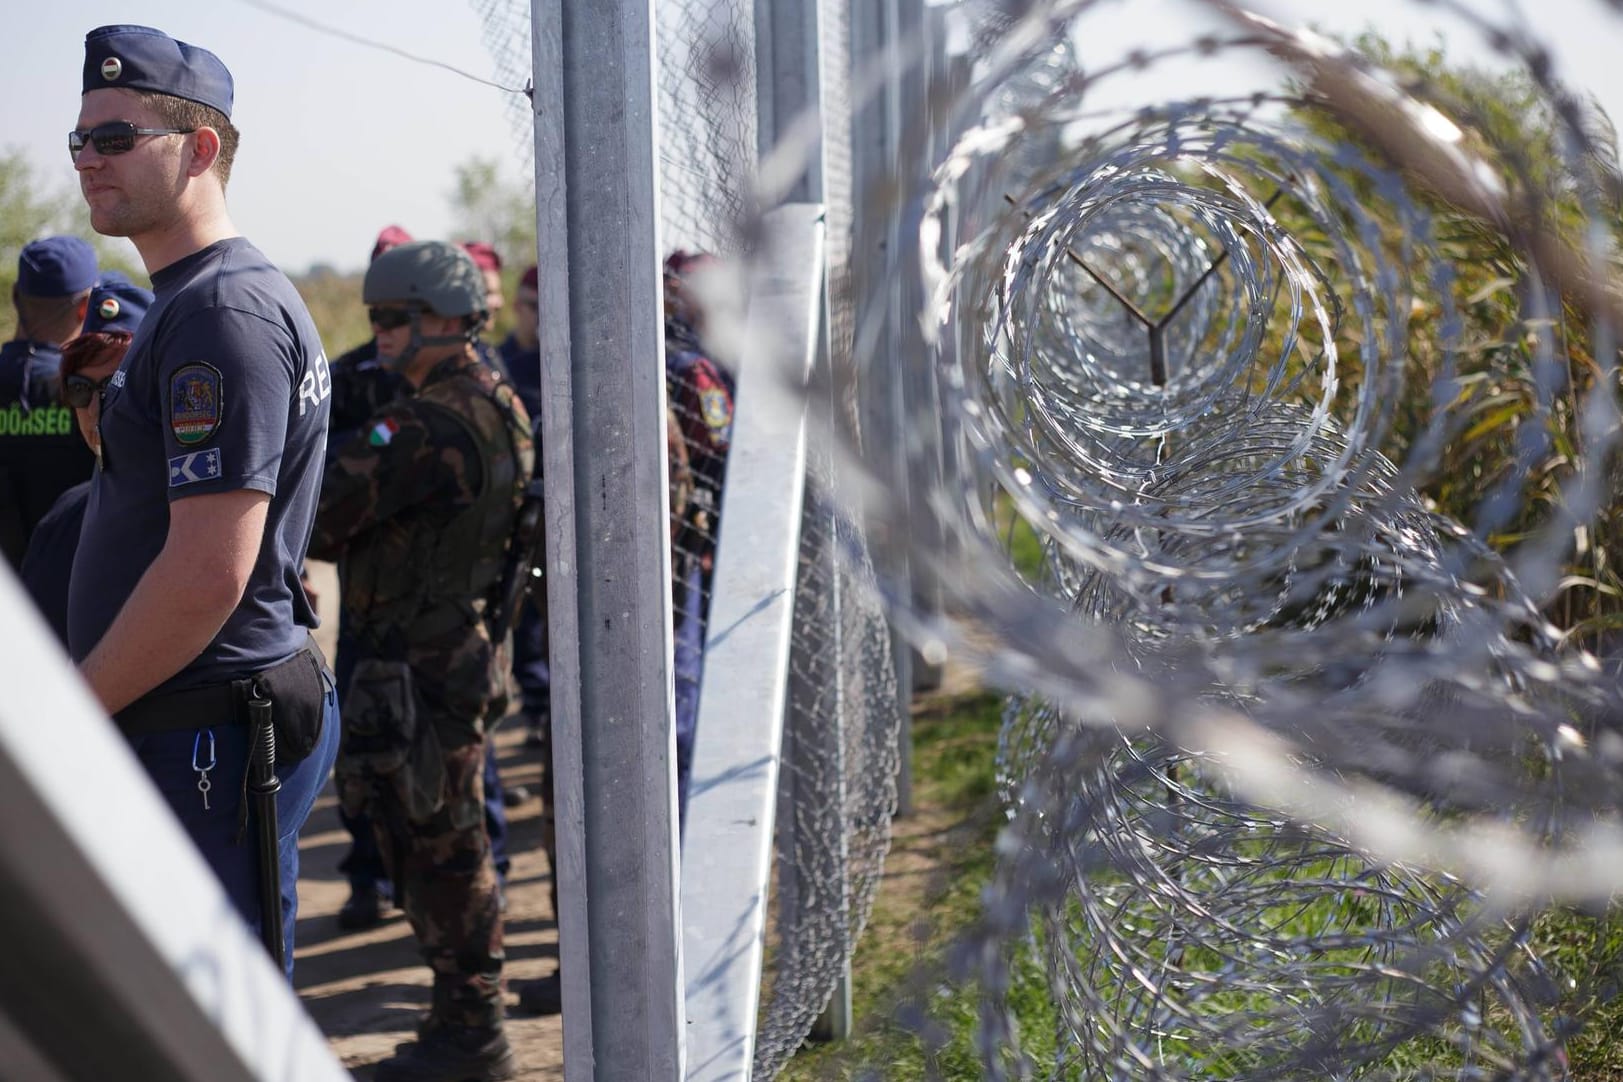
(608, 559)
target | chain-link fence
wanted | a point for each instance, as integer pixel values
(837, 788)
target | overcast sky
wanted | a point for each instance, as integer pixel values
(340, 139)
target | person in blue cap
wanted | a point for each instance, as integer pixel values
(212, 435)
(40, 456)
(88, 363)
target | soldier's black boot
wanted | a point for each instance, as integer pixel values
(544, 996)
(364, 909)
(448, 1053)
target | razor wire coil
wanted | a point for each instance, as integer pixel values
(1186, 368)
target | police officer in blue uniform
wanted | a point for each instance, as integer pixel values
(116, 308)
(41, 455)
(521, 354)
(185, 611)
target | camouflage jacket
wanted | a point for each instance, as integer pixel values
(361, 386)
(418, 509)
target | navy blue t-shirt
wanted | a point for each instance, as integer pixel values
(48, 563)
(524, 373)
(225, 387)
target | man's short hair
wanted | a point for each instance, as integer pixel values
(182, 113)
(50, 319)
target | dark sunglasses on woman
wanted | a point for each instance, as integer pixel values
(78, 390)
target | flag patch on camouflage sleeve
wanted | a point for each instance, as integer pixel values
(383, 432)
(197, 466)
(194, 402)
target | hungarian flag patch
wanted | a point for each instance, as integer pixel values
(383, 432)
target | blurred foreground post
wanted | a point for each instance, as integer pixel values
(124, 957)
(887, 289)
(608, 560)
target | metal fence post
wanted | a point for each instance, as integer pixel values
(556, 458)
(789, 77)
(608, 566)
(882, 236)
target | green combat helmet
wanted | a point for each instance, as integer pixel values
(428, 276)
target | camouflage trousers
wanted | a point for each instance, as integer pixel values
(446, 882)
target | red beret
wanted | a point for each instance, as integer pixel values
(484, 256)
(391, 236)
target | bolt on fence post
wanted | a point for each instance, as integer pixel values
(608, 568)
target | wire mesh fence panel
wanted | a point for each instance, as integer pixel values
(840, 753)
(506, 33)
(839, 194)
(839, 780)
(707, 127)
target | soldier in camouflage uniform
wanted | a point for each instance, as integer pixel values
(418, 511)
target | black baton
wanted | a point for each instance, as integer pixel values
(263, 785)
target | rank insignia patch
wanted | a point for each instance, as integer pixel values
(194, 402)
(197, 466)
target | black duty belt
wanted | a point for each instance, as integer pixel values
(191, 708)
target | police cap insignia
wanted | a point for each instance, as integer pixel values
(112, 68)
(194, 402)
(116, 304)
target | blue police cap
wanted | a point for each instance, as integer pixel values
(56, 267)
(141, 58)
(116, 304)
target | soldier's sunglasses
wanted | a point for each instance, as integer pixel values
(114, 137)
(77, 390)
(387, 319)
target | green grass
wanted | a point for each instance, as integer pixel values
(917, 1014)
(904, 961)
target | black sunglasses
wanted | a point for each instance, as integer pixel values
(387, 319)
(77, 390)
(114, 137)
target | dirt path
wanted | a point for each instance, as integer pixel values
(366, 989)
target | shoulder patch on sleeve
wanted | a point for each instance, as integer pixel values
(197, 466)
(194, 402)
(716, 407)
